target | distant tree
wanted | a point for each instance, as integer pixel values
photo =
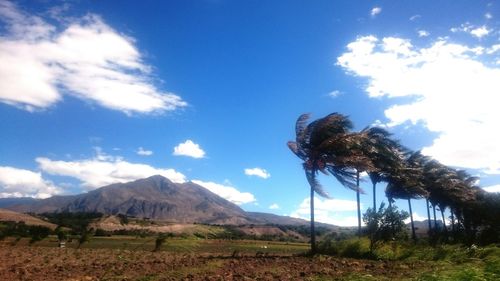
(385, 224)
(160, 240)
(85, 237)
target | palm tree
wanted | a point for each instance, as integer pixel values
(385, 153)
(323, 146)
(447, 187)
(349, 151)
(407, 184)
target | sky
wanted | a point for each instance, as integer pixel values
(98, 92)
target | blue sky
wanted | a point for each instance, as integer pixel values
(96, 92)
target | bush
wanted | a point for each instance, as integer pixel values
(384, 225)
(160, 240)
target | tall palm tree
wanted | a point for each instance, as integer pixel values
(323, 145)
(385, 153)
(407, 184)
(447, 187)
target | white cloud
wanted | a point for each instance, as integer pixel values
(416, 217)
(375, 11)
(227, 192)
(454, 94)
(189, 148)
(334, 94)
(423, 33)
(258, 172)
(16, 182)
(493, 188)
(333, 211)
(488, 16)
(274, 206)
(415, 17)
(475, 31)
(480, 31)
(144, 152)
(84, 58)
(104, 169)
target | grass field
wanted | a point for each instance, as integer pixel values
(182, 245)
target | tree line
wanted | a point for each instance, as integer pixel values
(328, 145)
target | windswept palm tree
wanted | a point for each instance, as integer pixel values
(385, 153)
(325, 145)
(408, 184)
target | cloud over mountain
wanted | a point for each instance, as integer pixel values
(16, 182)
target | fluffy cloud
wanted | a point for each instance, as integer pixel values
(416, 217)
(375, 11)
(274, 206)
(493, 188)
(144, 152)
(85, 58)
(480, 31)
(423, 33)
(227, 192)
(333, 211)
(25, 183)
(476, 31)
(104, 169)
(453, 94)
(189, 148)
(258, 172)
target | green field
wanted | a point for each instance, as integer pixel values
(182, 245)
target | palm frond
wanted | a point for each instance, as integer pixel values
(300, 129)
(314, 183)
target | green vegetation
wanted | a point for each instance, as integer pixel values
(77, 222)
(20, 229)
(384, 225)
(329, 146)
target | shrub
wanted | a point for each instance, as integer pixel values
(386, 224)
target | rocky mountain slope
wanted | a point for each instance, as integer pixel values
(156, 198)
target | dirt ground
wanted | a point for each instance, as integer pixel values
(42, 263)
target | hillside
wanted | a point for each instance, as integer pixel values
(7, 215)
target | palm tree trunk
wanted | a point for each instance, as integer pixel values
(374, 197)
(313, 231)
(435, 221)
(358, 202)
(413, 235)
(428, 216)
(444, 223)
(452, 221)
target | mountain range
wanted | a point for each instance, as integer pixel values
(156, 198)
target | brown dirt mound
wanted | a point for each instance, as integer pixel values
(7, 215)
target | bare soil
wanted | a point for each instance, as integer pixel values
(20, 262)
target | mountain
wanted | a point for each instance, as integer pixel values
(422, 227)
(6, 202)
(156, 198)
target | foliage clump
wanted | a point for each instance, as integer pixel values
(384, 224)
